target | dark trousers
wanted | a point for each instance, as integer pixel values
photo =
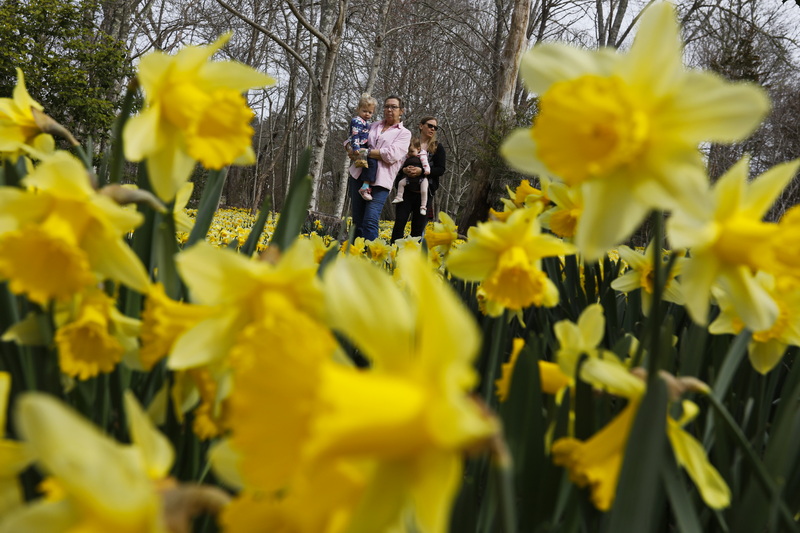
(409, 207)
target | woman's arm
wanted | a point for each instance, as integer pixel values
(438, 162)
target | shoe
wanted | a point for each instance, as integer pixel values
(397, 199)
(365, 194)
(423, 210)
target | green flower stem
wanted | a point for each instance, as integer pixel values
(117, 148)
(499, 331)
(659, 281)
(504, 470)
(762, 475)
(209, 201)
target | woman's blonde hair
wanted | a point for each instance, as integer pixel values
(366, 101)
(433, 143)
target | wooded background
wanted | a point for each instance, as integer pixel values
(453, 59)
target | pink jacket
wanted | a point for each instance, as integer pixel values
(393, 146)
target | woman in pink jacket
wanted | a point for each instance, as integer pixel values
(388, 144)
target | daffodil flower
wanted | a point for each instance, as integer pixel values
(506, 258)
(596, 462)
(62, 221)
(767, 346)
(641, 276)
(92, 336)
(393, 435)
(443, 234)
(625, 127)
(562, 218)
(19, 132)
(241, 289)
(14, 457)
(163, 321)
(96, 483)
(731, 242)
(194, 111)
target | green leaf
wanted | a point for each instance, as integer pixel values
(209, 201)
(251, 243)
(117, 152)
(524, 427)
(638, 503)
(682, 507)
(295, 210)
(166, 247)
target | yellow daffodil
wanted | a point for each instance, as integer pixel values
(767, 346)
(393, 435)
(379, 251)
(194, 111)
(100, 485)
(14, 458)
(239, 287)
(18, 129)
(641, 276)
(503, 384)
(357, 248)
(163, 321)
(577, 339)
(506, 258)
(731, 242)
(443, 234)
(321, 247)
(596, 462)
(92, 336)
(562, 219)
(62, 221)
(625, 127)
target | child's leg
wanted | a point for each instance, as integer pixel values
(423, 193)
(401, 185)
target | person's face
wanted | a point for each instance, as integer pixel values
(413, 151)
(392, 110)
(429, 127)
(366, 112)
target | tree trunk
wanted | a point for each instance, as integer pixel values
(377, 59)
(477, 206)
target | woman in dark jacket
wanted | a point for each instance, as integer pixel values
(409, 207)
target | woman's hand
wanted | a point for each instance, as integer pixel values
(412, 172)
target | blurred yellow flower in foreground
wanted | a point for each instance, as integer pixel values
(243, 291)
(626, 127)
(194, 111)
(97, 484)
(62, 221)
(163, 321)
(18, 129)
(14, 457)
(596, 463)
(506, 258)
(730, 243)
(323, 446)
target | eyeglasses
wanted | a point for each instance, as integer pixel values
(391, 107)
(434, 127)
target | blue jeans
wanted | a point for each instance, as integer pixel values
(366, 215)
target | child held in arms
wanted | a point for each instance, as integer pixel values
(417, 157)
(359, 131)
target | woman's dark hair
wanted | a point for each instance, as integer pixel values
(395, 97)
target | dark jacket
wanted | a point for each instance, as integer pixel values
(437, 161)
